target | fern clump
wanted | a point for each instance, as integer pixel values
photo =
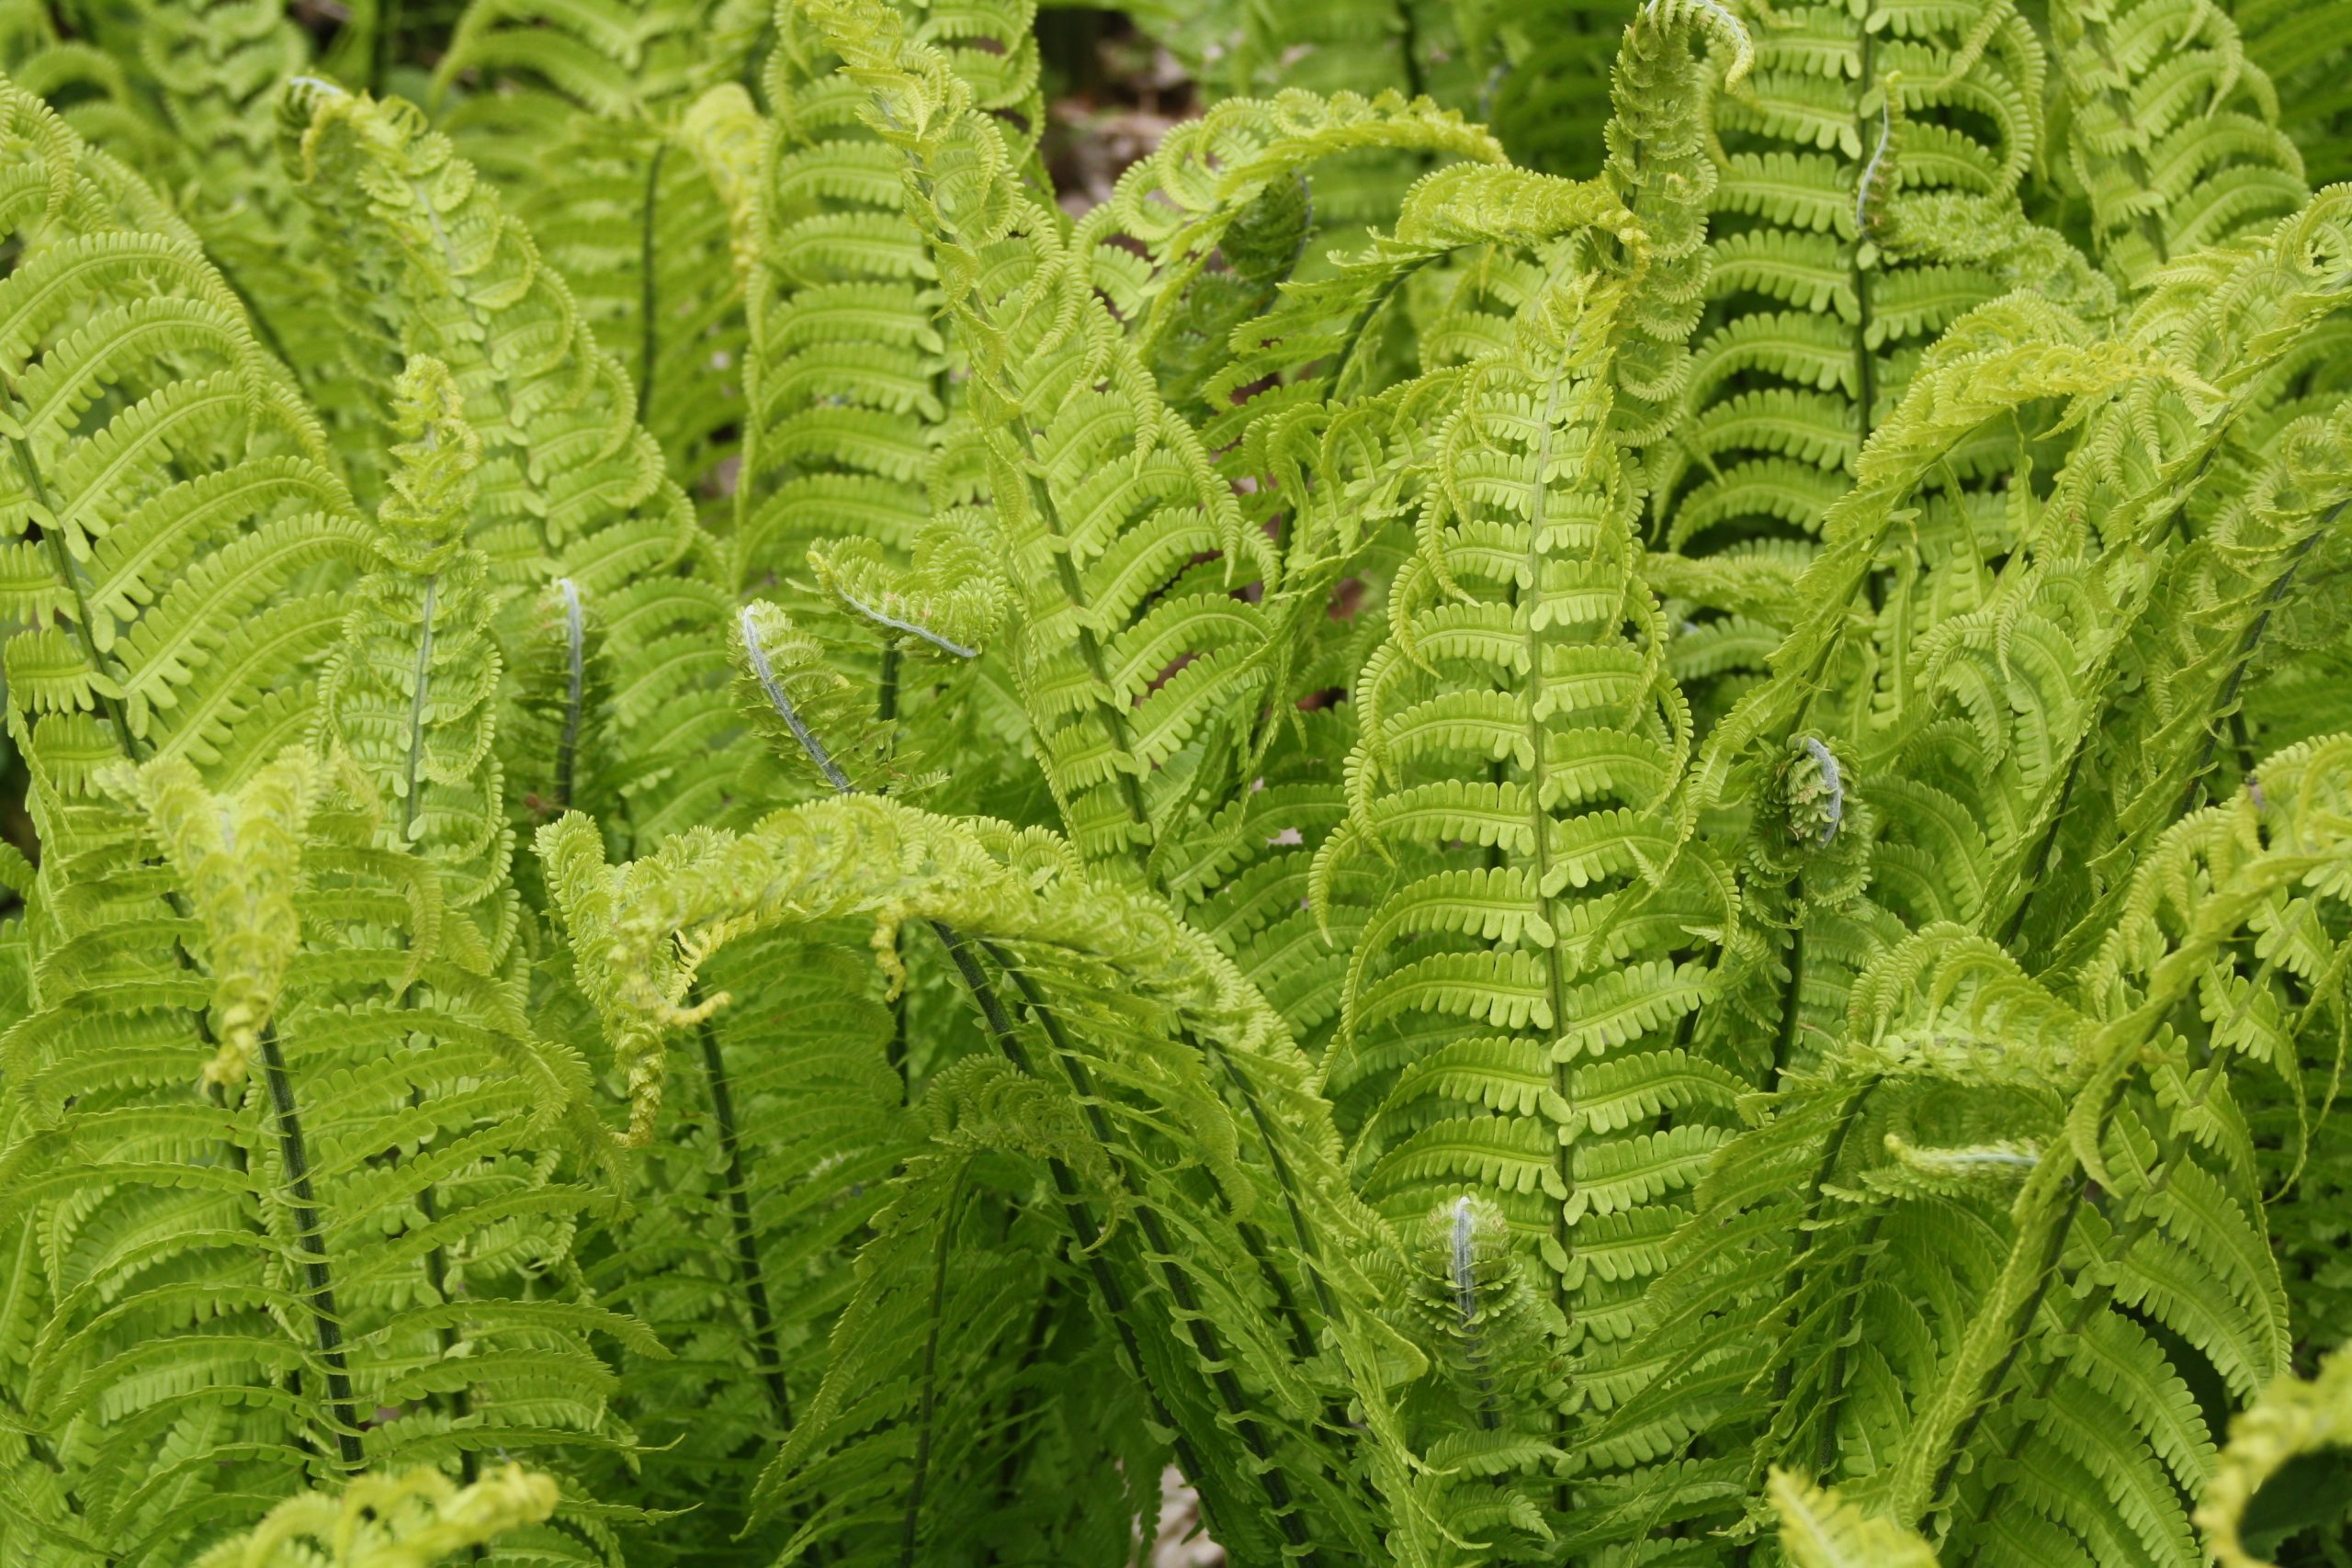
(1581, 797)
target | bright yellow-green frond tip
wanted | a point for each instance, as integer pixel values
(2293, 1417)
(431, 495)
(238, 858)
(410, 1521)
(1820, 1529)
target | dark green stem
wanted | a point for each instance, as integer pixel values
(910, 1532)
(747, 1249)
(1793, 1000)
(648, 337)
(1179, 1284)
(318, 1280)
(380, 45)
(567, 752)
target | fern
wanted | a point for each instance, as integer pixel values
(1579, 798)
(420, 1519)
(2163, 105)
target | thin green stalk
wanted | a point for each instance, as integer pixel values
(318, 1279)
(746, 1249)
(566, 753)
(910, 1530)
(1792, 1000)
(649, 333)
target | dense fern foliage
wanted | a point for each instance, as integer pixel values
(1583, 797)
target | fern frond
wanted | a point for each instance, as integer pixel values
(2171, 132)
(378, 1522)
(1819, 1530)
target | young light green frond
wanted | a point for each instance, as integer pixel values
(2293, 1417)
(1820, 1529)
(411, 1522)
(410, 693)
(240, 860)
(1129, 651)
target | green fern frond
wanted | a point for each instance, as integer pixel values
(1819, 1530)
(2293, 1417)
(2171, 132)
(379, 1522)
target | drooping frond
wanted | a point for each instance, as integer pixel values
(1118, 995)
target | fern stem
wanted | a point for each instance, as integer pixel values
(436, 1259)
(417, 699)
(380, 45)
(2225, 706)
(648, 335)
(1563, 1080)
(1080, 1218)
(1833, 1149)
(1865, 354)
(316, 1275)
(1408, 50)
(910, 1530)
(1179, 1284)
(738, 1213)
(885, 709)
(566, 753)
(1792, 1000)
